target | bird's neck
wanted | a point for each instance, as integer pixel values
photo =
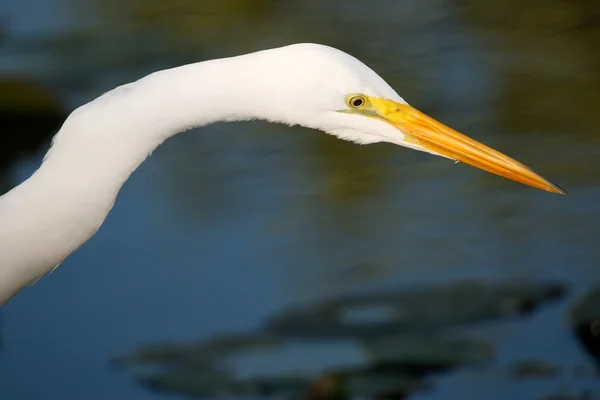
(99, 146)
(104, 141)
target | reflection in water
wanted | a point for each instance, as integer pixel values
(29, 116)
(419, 310)
(399, 339)
(548, 55)
(585, 322)
(527, 369)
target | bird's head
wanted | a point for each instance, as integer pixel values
(335, 92)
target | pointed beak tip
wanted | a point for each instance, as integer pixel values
(556, 189)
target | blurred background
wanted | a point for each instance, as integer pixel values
(253, 261)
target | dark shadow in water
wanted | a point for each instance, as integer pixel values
(29, 116)
(585, 322)
(404, 337)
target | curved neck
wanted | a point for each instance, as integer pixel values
(104, 141)
(66, 200)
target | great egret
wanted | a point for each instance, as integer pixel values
(101, 143)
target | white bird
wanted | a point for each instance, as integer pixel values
(101, 143)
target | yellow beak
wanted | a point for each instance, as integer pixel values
(426, 132)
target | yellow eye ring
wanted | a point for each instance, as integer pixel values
(356, 101)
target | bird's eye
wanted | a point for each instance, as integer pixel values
(356, 101)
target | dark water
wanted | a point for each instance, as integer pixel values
(225, 228)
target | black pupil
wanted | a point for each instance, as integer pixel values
(357, 102)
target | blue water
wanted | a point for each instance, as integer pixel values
(223, 227)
